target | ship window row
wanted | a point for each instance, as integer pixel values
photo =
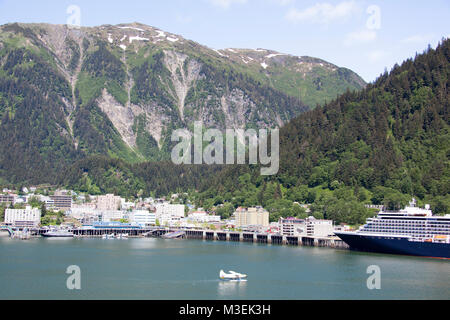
(413, 230)
(411, 221)
(413, 224)
(405, 228)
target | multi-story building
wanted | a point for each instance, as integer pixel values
(252, 216)
(23, 218)
(306, 227)
(6, 198)
(175, 210)
(319, 228)
(203, 217)
(109, 202)
(143, 218)
(292, 226)
(62, 202)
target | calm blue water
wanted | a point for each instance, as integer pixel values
(188, 269)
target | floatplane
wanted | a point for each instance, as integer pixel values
(232, 276)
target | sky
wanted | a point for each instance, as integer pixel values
(364, 36)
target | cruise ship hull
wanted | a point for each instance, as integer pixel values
(394, 245)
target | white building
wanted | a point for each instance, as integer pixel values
(306, 227)
(109, 202)
(143, 218)
(22, 218)
(319, 228)
(203, 217)
(169, 220)
(292, 226)
(175, 210)
(113, 215)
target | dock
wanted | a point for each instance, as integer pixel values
(209, 235)
(263, 238)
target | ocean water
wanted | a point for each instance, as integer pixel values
(189, 269)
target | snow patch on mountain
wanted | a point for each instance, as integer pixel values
(275, 55)
(132, 28)
(160, 34)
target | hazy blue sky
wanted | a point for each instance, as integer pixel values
(365, 36)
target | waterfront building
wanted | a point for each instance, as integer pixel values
(109, 202)
(23, 218)
(292, 226)
(319, 228)
(311, 227)
(251, 216)
(113, 225)
(143, 218)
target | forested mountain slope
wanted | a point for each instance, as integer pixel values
(120, 91)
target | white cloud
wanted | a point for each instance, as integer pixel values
(226, 3)
(362, 36)
(419, 39)
(324, 13)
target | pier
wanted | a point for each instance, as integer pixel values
(275, 239)
(207, 235)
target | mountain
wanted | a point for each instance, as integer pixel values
(121, 90)
(381, 145)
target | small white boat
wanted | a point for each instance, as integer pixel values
(232, 276)
(58, 234)
(108, 236)
(122, 236)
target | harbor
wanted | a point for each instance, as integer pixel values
(154, 268)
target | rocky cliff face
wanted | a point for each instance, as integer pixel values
(122, 90)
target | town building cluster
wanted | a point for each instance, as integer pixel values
(111, 210)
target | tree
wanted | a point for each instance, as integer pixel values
(34, 202)
(43, 210)
(226, 211)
